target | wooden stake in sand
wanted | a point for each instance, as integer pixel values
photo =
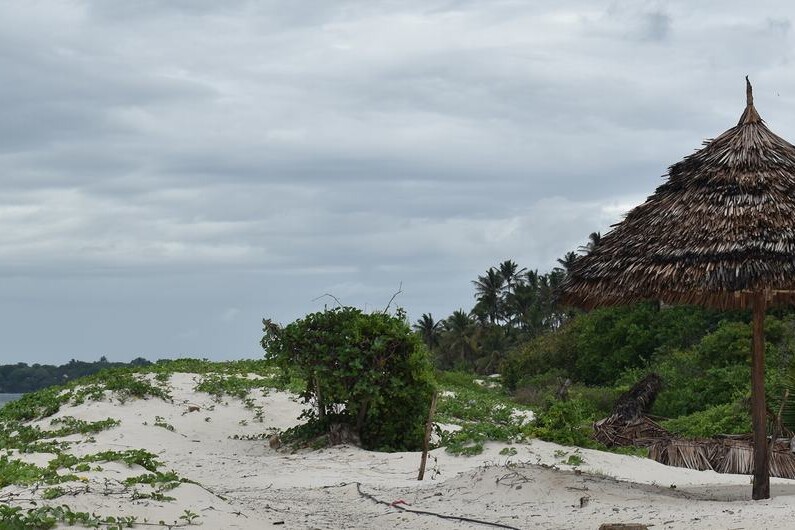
(426, 442)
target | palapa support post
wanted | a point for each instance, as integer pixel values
(761, 489)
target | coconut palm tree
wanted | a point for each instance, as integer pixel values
(459, 334)
(567, 261)
(594, 238)
(429, 330)
(523, 306)
(531, 278)
(489, 291)
(512, 274)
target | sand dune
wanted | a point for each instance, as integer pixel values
(245, 484)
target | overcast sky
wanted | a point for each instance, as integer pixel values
(174, 171)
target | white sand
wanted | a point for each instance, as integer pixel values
(245, 484)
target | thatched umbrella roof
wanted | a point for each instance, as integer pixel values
(719, 232)
(721, 228)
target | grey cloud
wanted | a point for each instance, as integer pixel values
(657, 26)
(189, 167)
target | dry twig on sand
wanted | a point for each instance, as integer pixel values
(422, 512)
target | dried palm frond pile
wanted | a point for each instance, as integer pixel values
(628, 426)
(724, 455)
(641, 432)
(632, 404)
(692, 454)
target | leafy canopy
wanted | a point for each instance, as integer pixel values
(367, 371)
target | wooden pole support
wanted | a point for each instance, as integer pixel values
(426, 442)
(761, 488)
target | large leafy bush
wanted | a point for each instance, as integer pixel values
(596, 347)
(727, 418)
(369, 372)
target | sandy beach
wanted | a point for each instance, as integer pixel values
(245, 484)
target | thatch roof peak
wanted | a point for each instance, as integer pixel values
(749, 114)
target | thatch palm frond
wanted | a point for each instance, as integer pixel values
(638, 399)
(720, 229)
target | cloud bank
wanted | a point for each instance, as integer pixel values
(172, 172)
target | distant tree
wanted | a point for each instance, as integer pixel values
(459, 336)
(20, 378)
(511, 274)
(593, 241)
(567, 261)
(525, 309)
(140, 361)
(429, 330)
(512, 305)
(488, 292)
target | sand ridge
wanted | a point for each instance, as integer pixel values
(245, 484)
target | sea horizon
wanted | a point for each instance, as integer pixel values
(5, 398)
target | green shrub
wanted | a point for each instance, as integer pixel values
(554, 351)
(729, 344)
(567, 423)
(601, 399)
(540, 389)
(727, 418)
(689, 386)
(41, 403)
(484, 413)
(369, 371)
(595, 347)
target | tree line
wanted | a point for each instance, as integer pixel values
(21, 377)
(512, 305)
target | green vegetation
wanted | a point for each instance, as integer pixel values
(161, 422)
(123, 384)
(14, 471)
(570, 366)
(489, 413)
(512, 306)
(20, 378)
(46, 517)
(26, 438)
(728, 418)
(369, 380)
(366, 372)
(262, 376)
(483, 413)
(706, 376)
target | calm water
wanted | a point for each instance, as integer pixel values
(5, 398)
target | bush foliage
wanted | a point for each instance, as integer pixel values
(703, 357)
(367, 371)
(727, 418)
